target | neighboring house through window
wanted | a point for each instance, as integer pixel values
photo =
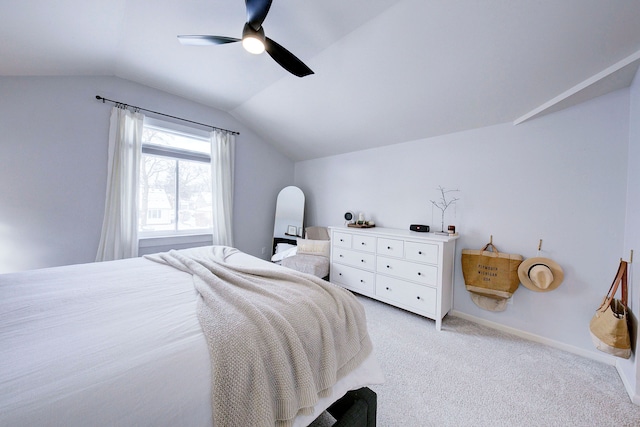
(175, 190)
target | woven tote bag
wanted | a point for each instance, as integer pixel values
(490, 272)
(609, 325)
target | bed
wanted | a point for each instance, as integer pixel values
(120, 343)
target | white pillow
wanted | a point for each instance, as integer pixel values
(280, 247)
(282, 254)
(314, 247)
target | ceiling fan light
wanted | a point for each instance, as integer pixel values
(253, 45)
(252, 39)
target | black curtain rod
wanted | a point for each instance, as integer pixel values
(123, 105)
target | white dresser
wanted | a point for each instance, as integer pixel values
(407, 269)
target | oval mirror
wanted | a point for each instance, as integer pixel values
(289, 216)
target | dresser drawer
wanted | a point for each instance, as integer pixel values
(421, 273)
(353, 258)
(421, 252)
(390, 247)
(342, 240)
(363, 243)
(353, 278)
(418, 297)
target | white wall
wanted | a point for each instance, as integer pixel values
(560, 178)
(630, 369)
(53, 159)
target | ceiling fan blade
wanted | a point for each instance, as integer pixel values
(257, 12)
(286, 59)
(204, 40)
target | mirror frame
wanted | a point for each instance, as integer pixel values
(289, 216)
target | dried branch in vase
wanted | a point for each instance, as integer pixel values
(443, 203)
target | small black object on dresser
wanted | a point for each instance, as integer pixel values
(419, 227)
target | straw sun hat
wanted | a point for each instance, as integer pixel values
(540, 274)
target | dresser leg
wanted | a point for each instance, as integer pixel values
(438, 324)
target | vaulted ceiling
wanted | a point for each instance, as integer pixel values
(386, 71)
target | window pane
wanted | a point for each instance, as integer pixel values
(175, 181)
(195, 195)
(166, 138)
(157, 197)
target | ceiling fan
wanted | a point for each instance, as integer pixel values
(254, 40)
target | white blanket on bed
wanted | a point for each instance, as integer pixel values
(302, 334)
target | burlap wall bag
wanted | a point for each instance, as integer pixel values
(608, 326)
(490, 273)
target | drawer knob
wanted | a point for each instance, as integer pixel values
(388, 288)
(389, 247)
(361, 281)
(341, 256)
(361, 260)
(388, 266)
(342, 240)
(419, 252)
(418, 297)
(362, 243)
(419, 274)
(339, 274)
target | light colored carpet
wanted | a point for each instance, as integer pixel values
(472, 375)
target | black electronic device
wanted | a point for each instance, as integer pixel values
(349, 217)
(419, 227)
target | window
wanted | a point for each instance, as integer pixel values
(175, 181)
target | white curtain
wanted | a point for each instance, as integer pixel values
(222, 175)
(119, 237)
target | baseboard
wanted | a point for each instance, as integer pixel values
(604, 358)
(635, 398)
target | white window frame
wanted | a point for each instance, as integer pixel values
(162, 237)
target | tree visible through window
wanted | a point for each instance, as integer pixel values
(175, 182)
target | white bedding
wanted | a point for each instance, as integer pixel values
(113, 343)
(284, 250)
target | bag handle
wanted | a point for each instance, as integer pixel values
(624, 283)
(493, 248)
(621, 277)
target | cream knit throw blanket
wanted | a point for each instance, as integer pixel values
(278, 339)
